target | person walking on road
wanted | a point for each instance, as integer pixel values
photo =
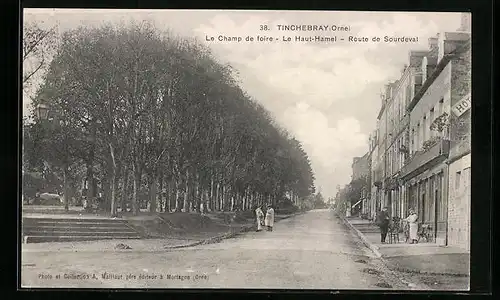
(383, 223)
(260, 218)
(412, 221)
(269, 218)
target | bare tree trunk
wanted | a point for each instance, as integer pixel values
(222, 197)
(240, 200)
(90, 184)
(152, 192)
(217, 197)
(248, 198)
(112, 190)
(198, 190)
(178, 195)
(160, 194)
(231, 196)
(137, 186)
(125, 190)
(113, 181)
(168, 201)
(212, 194)
(206, 199)
(66, 193)
(186, 192)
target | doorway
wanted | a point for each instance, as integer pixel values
(436, 211)
(422, 213)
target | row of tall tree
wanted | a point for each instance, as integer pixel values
(145, 115)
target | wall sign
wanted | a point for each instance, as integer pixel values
(462, 105)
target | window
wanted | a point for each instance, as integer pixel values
(466, 177)
(424, 129)
(457, 180)
(408, 94)
(442, 208)
(431, 119)
(413, 145)
(417, 143)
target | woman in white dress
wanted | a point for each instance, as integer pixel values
(412, 220)
(269, 218)
(260, 218)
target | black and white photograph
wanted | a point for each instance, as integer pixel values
(245, 149)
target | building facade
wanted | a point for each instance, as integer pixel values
(397, 141)
(425, 175)
(419, 153)
(459, 160)
(361, 169)
(375, 176)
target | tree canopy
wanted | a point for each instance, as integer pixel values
(136, 109)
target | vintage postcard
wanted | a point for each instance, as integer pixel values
(246, 149)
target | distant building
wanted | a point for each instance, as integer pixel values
(373, 201)
(360, 167)
(398, 96)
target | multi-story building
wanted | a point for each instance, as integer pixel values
(360, 167)
(459, 159)
(397, 140)
(383, 141)
(375, 176)
(425, 175)
(360, 170)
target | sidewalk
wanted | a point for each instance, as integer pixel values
(423, 258)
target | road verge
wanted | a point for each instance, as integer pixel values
(361, 236)
(221, 237)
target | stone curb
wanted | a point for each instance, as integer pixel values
(219, 238)
(362, 237)
(377, 253)
(388, 263)
(212, 240)
(420, 272)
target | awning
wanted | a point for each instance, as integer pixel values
(357, 203)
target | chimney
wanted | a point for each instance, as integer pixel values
(382, 98)
(415, 57)
(465, 22)
(404, 68)
(433, 42)
(387, 91)
(449, 41)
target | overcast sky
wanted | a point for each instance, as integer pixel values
(327, 95)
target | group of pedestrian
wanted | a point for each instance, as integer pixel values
(266, 219)
(383, 221)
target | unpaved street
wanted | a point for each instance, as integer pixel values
(310, 251)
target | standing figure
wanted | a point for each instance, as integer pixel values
(260, 218)
(383, 223)
(269, 218)
(413, 224)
